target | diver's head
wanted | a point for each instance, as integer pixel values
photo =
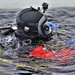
(33, 24)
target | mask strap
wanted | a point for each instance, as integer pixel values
(41, 22)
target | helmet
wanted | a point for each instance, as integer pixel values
(32, 23)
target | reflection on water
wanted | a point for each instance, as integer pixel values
(64, 18)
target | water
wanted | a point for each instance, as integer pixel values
(64, 18)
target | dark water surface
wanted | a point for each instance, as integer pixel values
(64, 18)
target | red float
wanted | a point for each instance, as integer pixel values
(44, 54)
(66, 55)
(62, 56)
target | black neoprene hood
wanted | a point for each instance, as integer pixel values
(28, 17)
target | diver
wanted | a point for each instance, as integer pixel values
(33, 28)
(33, 24)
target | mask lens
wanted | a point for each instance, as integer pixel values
(46, 29)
